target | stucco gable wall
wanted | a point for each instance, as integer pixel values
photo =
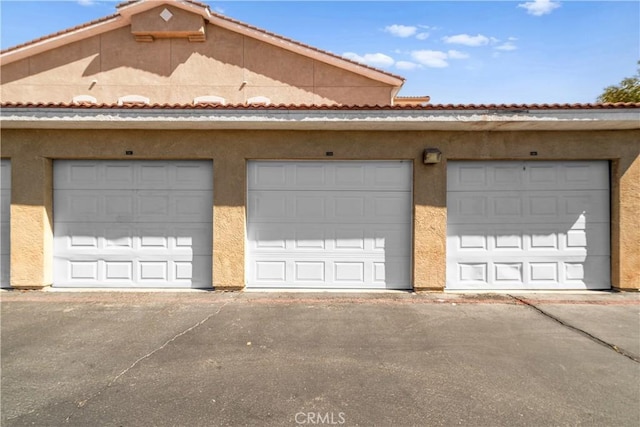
(175, 70)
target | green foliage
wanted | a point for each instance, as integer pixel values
(627, 91)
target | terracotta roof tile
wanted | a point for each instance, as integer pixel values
(428, 107)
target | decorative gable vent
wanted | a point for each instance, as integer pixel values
(166, 15)
(166, 22)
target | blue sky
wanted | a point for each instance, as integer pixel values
(535, 51)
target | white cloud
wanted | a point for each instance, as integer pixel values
(434, 58)
(455, 54)
(539, 7)
(431, 58)
(218, 9)
(373, 59)
(467, 40)
(507, 46)
(401, 30)
(422, 36)
(86, 2)
(406, 65)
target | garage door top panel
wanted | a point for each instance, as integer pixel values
(529, 175)
(333, 175)
(127, 175)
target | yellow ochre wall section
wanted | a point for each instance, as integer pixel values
(32, 151)
(175, 71)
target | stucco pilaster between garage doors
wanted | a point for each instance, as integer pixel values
(429, 225)
(229, 221)
(625, 224)
(31, 220)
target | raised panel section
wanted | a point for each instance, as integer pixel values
(83, 270)
(153, 270)
(310, 271)
(271, 271)
(508, 272)
(349, 272)
(122, 270)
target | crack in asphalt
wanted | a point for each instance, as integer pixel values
(82, 403)
(592, 337)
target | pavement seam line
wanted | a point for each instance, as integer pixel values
(148, 355)
(592, 337)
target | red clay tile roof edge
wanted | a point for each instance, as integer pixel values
(428, 107)
(226, 18)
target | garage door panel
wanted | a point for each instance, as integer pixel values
(185, 271)
(531, 175)
(132, 206)
(125, 174)
(531, 240)
(327, 207)
(132, 238)
(352, 176)
(573, 273)
(528, 225)
(311, 271)
(357, 239)
(526, 207)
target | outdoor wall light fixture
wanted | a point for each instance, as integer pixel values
(431, 156)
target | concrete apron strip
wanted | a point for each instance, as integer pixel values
(593, 338)
(318, 297)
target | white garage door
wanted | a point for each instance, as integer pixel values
(528, 225)
(329, 224)
(133, 223)
(5, 210)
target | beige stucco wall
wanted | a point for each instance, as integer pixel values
(175, 70)
(31, 153)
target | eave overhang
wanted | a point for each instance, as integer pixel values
(321, 119)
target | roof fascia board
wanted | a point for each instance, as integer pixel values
(66, 38)
(458, 120)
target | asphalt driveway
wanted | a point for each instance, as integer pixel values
(262, 359)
